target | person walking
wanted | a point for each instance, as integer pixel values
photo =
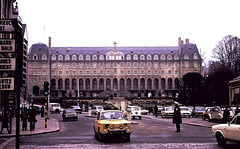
(156, 111)
(226, 115)
(32, 118)
(177, 118)
(5, 122)
(24, 117)
(237, 111)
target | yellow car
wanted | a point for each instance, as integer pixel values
(111, 123)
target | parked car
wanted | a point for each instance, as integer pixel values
(167, 112)
(160, 108)
(144, 112)
(111, 123)
(231, 111)
(185, 112)
(54, 107)
(69, 114)
(77, 109)
(96, 109)
(207, 112)
(135, 112)
(214, 113)
(227, 132)
(197, 111)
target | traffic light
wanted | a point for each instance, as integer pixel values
(46, 88)
(139, 95)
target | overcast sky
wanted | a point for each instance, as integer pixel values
(87, 23)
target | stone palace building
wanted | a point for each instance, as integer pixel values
(101, 72)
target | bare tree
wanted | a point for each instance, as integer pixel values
(227, 51)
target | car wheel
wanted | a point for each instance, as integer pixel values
(140, 117)
(203, 118)
(133, 117)
(76, 119)
(209, 119)
(220, 139)
(128, 137)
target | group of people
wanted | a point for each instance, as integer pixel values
(28, 115)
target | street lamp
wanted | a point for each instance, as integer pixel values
(50, 71)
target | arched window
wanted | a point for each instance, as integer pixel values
(128, 57)
(44, 57)
(53, 57)
(67, 57)
(186, 56)
(142, 57)
(60, 57)
(155, 57)
(162, 57)
(169, 57)
(35, 56)
(195, 56)
(135, 57)
(74, 57)
(101, 57)
(176, 57)
(149, 57)
(80, 57)
(87, 57)
(94, 57)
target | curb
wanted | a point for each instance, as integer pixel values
(31, 134)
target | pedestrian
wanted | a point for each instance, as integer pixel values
(177, 118)
(32, 118)
(5, 122)
(237, 111)
(226, 115)
(156, 111)
(24, 119)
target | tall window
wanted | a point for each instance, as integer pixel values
(67, 57)
(87, 57)
(74, 57)
(80, 57)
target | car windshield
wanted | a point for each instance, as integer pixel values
(100, 108)
(70, 110)
(111, 115)
(184, 109)
(56, 105)
(169, 109)
(76, 107)
(135, 108)
(200, 108)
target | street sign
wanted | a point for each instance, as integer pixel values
(7, 45)
(7, 64)
(6, 83)
(6, 26)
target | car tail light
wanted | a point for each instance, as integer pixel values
(126, 126)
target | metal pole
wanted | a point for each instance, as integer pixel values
(49, 76)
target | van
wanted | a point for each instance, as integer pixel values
(54, 107)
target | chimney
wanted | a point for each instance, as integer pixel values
(186, 41)
(180, 43)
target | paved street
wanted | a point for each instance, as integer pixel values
(150, 132)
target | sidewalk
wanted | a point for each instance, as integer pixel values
(52, 126)
(187, 121)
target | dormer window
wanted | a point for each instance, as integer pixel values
(149, 57)
(135, 57)
(67, 57)
(60, 57)
(94, 57)
(74, 57)
(35, 56)
(155, 57)
(87, 57)
(44, 57)
(186, 56)
(169, 57)
(162, 57)
(142, 57)
(195, 56)
(80, 57)
(128, 57)
(53, 58)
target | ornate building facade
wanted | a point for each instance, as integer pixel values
(111, 71)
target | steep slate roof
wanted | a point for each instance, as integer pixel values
(41, 48)
(125, 50)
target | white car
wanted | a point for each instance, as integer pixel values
(135, 112)
(185, 112)
(96, 109)
(227, 132)
(167, 112)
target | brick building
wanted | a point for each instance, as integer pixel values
(121, 71)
